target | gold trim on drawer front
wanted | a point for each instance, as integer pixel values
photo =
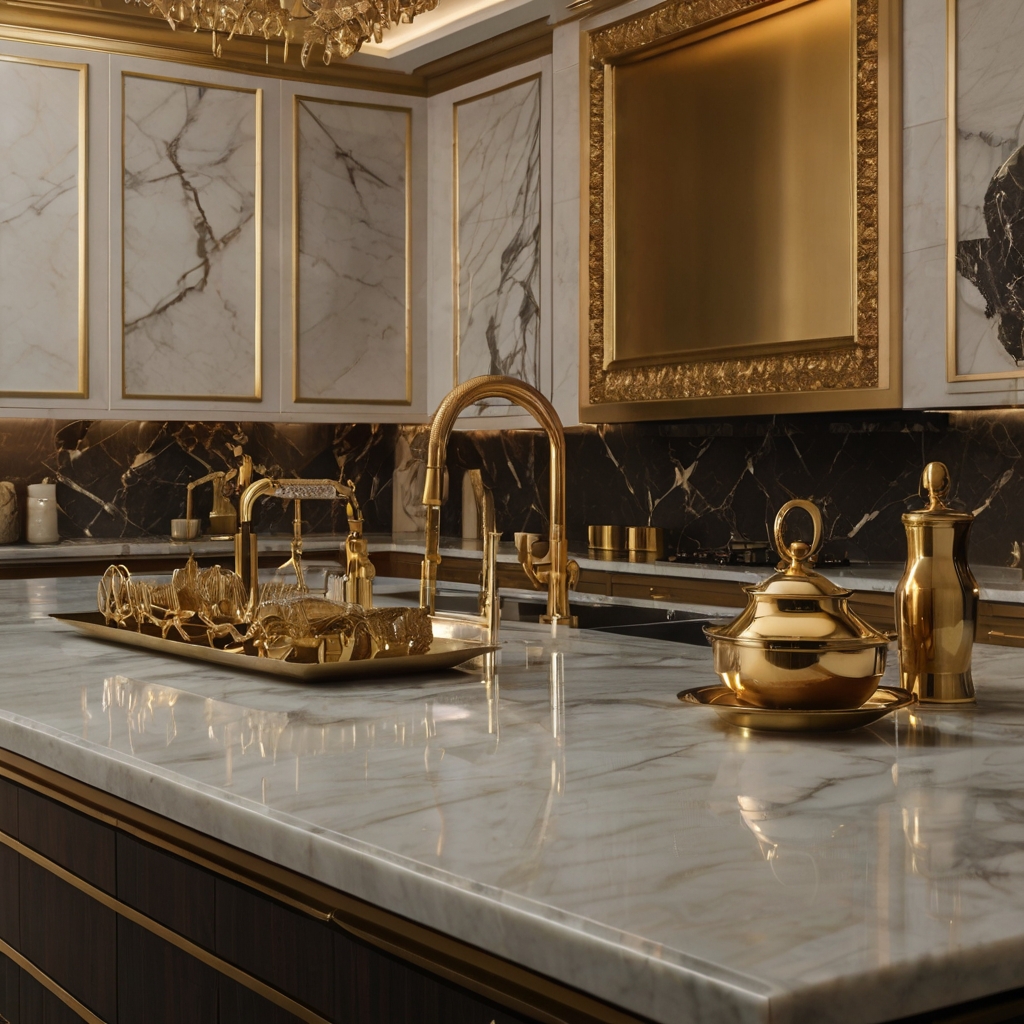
(501, 981)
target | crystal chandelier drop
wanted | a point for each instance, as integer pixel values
(336, 27)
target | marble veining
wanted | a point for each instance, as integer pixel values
(990, 186)
(352, 309)
(191, 237)
(127, 479)
(570, 814)
(39, 228)
(705, 481)
(498, 142)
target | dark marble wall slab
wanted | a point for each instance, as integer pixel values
(128, 479)
(704, 481)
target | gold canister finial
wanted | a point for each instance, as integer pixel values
(935, 484)
(937, 598)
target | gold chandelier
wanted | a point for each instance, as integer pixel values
(337, 27)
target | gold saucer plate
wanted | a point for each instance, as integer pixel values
(722, 700)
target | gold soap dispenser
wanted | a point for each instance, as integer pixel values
(937, 598)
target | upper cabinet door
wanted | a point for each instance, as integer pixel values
(43, 300)
(191, 200)
(352, 294)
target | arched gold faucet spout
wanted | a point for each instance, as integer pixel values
(529, 398)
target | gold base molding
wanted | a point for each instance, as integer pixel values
(861, 374)
(498, 980)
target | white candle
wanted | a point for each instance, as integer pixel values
(41, 522)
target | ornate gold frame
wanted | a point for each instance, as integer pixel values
(257, 394)
(864, 374)
(83, 228)
(296, 283)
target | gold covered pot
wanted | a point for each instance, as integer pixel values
(797, 644)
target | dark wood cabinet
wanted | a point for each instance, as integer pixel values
(84, 903)
(157, 983)
(69, 937)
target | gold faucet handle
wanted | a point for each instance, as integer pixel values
(533, 551)
(572, 573)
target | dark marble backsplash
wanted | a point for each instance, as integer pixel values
(128, 479)
(704, 481)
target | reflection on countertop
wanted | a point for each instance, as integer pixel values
(564, 810)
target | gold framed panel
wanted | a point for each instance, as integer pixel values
(953, 374)
(456, 261)
(832, 373)
(257, 394)
(296, 282)
(83, 228)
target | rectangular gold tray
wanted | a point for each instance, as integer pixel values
(444, 653)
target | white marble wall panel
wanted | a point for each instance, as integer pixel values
(498, 218)
(990, 186)
(191, 240)
(352, 294)
(40, 228)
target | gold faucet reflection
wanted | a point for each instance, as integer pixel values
(561, 573)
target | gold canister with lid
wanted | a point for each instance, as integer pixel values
(797, 644)
(937, 598)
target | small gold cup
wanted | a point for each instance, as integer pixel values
(184, 529)
(645, 543)
(606, 541)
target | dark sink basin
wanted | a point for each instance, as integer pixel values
(671, 624)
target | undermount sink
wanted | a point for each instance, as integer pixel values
(672, 624)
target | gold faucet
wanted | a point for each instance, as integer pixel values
(247, 561)
(559, 572)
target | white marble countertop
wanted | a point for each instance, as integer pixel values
(574, 817)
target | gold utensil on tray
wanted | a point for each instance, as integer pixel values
(797, 644)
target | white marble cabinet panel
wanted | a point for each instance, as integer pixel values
(498, 234)
(990, 188)
(990, 84)
(192, 236)
(43, 324)
(490, 225)
(352, 294)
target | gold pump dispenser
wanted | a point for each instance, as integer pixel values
(937, 598)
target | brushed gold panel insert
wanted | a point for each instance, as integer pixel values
(745, 138)
(764, 359)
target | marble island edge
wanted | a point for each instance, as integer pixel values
(517, 879)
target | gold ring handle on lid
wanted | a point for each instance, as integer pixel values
(799, 552)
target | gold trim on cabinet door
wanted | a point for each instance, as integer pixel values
(456, 260)
(83, 229)
(257, 394)
(221, 966)
(49, 984)
(296, 281)
(953, 374)
(488, 975)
